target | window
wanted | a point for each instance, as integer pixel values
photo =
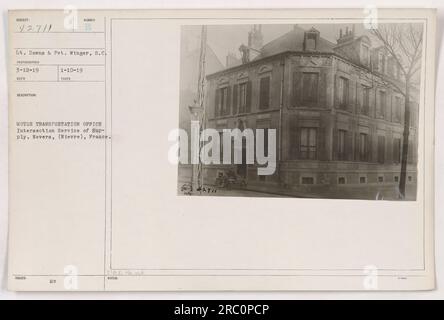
(380, 179)
(363, 146)
(307, 180)
(410, 178)
(341, 180)
(310, 41)
(242, 97)
(223, 102)
(308, 143)
(397, 110)
(221, 148)
(265, 142)
(365, 55)
(365, 100)
(397, 150)
(362, 180)
(381, 62)
(381, 104)
(342, 92)
(381, 149)
(310, 87)
(341, 144)
(396, 178)
(264, 93)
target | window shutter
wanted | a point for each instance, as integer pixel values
(335, 144)
(235, 99)
(381, 149)
(396, 150)
(359, 99)
(322, 90)
(264, 93)
(351, 95)
(248, 104)
(369, 142)
(348, 146)
(216, 103)
(371, 102)
(320, 148)
(294, 138)
(336, 92)
(296, 89)
(297, 139)
(228, 102)
(357, 147)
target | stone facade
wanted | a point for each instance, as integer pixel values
(339, 124)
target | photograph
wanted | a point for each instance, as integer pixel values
(304, 110)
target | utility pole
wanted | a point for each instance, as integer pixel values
(198, 111)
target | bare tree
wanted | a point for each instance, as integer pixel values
(404, 43)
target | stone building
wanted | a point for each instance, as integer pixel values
(339, 123)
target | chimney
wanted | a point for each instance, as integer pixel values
(255, 43)
(347, 36)
(255, 37)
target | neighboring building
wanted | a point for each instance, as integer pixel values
(189, 74)
(339, 125)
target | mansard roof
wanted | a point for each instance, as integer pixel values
(293, 41)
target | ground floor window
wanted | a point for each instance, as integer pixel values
(341, 144)
(308, 143)
(381, 149)
(363, 147)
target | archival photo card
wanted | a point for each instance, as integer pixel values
(221, 150)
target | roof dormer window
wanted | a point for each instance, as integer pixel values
(311, 38)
